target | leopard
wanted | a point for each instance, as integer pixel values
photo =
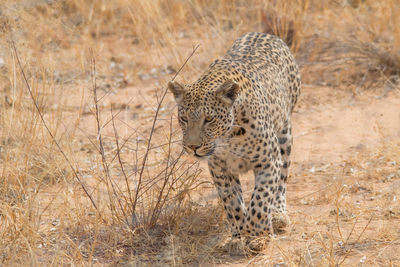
(237, 117)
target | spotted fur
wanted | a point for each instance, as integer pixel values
(237, 116)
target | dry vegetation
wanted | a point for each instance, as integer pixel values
(92, 172)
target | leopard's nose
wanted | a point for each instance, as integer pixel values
(193, 147)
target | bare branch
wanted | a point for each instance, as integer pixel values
(153, 127)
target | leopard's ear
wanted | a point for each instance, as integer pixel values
(228, 92)
(177, 89)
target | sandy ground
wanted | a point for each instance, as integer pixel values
(339, 123)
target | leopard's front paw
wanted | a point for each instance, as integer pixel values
(235, 247)
(280, 221)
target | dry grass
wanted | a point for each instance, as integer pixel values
(97, 72)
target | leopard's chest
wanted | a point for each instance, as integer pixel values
(237, 165)
(236, 160)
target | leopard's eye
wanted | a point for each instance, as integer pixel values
(183, 119)
(208, 119)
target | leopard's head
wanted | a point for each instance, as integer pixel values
(205, 113)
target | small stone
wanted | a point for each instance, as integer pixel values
(363, 259)
(144, 76)
(153, 71)
(112, 65)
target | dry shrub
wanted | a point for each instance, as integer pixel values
(357, 44)
(153, 192)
